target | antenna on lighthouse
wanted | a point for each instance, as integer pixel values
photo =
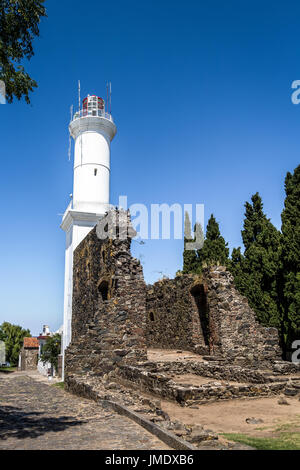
(109, 97)
(79, 100)
(70, 140)
(79, 106)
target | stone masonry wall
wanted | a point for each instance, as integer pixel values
(208, 315)
(29, 359)
(234, 331)
(109, 304)
(162, 385)
(173, 320)
(115, 317)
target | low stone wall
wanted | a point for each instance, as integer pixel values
(81, 387)
(285, 367)
(214, 370)
(161, 385)
(221, 370)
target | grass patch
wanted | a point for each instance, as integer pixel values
(293, 426)
(7, 370)
(59, 385)
(286, 441)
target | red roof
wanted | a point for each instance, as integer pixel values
(31, 343)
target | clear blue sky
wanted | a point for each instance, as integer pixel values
(202, 101)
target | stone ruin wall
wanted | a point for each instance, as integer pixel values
(234, 331)
(173, 320)
(109, 307)
(207, 315)
(115, 317)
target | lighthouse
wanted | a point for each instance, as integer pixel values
(92, 129)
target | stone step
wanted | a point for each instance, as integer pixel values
(189, 394)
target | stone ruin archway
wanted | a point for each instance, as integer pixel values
(199, 295)
(103, 290)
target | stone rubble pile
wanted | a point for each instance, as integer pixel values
(106, 389)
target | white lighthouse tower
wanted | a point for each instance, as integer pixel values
(92, 130)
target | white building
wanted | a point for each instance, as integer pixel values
(42, 338)
(92, 130)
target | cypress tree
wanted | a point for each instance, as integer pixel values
(290, 275)
(214, 249)
(257, 271)
(236, 266)
(199, 236)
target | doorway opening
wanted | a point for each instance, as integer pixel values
(200, 298)
(103, 290)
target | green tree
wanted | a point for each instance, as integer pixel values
(13, 336)
(19, 25)
(290, 274)
(256, 272)
(236, 266)
(51, 350)
(214, 250)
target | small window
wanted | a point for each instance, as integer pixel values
(103, 290)
(151, 316)
(95, 172)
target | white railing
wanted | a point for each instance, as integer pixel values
(92, 112)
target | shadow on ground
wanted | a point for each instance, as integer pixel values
(16, 423)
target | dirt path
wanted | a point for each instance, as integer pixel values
(230, 416)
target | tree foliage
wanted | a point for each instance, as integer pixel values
(268, 271)
(207, 251)
(256, 271)
(51, 350)
(19, 25)
(214, 250)
(290, 269)
(13, 336)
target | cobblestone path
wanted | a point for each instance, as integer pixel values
(35, 415)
